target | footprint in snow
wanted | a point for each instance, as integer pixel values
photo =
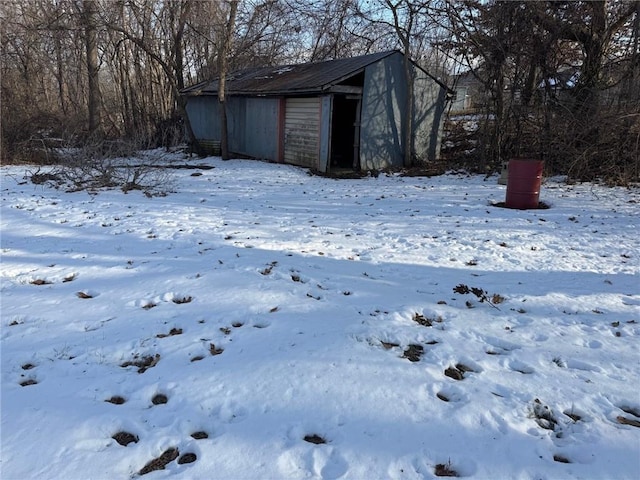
(580, 365)
(86, 294)
(125, 438)
(116, 400)
(413, 352)
(159, 399)
(498, 346)
(575, 414)
(460, 370)
(160, 462)
(561, 458)
(632, 416)
(180, 299)
(147, 304)
(261, 325)
(314, 438)
(450, 393)
(520, 367)
(172, 332)
(316, 458)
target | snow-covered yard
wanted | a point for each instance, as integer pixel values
(262, 323)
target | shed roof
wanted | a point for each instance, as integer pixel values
(286, 79)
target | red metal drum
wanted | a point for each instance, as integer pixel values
(523, 183)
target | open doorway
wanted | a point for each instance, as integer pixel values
(345, 133)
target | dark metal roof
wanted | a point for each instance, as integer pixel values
(301, 78)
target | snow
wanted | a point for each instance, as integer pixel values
(311, 291)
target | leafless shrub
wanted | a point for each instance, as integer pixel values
(109, 164)
(445, 470)
(143, 363)
(480, 294)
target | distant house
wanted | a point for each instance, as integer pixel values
(337, 114)
(558, 86)
(618, 84)
(469, 94)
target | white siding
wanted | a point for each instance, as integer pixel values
(302, 131)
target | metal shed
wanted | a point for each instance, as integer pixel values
(337, 114)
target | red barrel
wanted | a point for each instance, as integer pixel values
(523, 183)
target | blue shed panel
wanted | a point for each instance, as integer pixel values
(383, 103)
(236, 128)
(252, 124)
(383, 99)
(326, 107)
(204, 116)
(261, 134)
(429, 99)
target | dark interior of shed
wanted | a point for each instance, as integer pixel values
(343, 128)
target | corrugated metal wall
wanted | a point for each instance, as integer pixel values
(204, 116)
(428, 117)
(261, 135)
(383, 105)
(252, 124)
(383, 100)
(302, 131)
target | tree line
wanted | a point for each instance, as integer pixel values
(89, 70)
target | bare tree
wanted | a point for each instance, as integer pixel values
(158, 33)
(43, 82)
(89, 18)
(412, 25)
(524, 54)
(328, 29)
(117, 68)
(223, 62)
(264, 34)
(593, 25)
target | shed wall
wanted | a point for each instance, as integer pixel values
(261, 134)
(204, 117)
(383, 99)
(383, 104)
(252, 124)
(429, 102)
(236, 126)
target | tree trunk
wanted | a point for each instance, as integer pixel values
(223, 63)
(588, 86)
(60, 74)
(91, 44)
